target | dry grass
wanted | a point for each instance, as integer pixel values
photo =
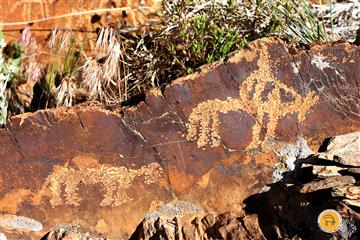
(341, 18)
(188, 34)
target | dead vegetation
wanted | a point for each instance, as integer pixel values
(188, 34)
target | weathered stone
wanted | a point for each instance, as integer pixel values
(211, 139)
(290, 207)
(11, 222)
(351, 222)
(354, 170)
(355, 203)
(329, 182)
(69, 233)
(352, 193)
(344, 149)
(130, 14)
(223, 226)
(326, 171)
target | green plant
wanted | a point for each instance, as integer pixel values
(9, 70)
(189, 33)
(197, 32)
(298, 22)
(66, 59)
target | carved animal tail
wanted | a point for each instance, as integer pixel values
(310, 99)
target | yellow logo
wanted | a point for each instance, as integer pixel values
(329, 220)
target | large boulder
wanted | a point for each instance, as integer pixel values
(211, 139)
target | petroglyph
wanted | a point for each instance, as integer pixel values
(10, 202)
(64, 182)
(203, 123)
(347, 101)
(28, 4)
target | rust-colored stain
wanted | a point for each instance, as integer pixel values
(204, 180)
(180, 180)
(102, 226)
(203, 124)
(114, 181)
(10, 202)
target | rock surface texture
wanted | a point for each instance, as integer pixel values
(202, 149)
(288, 210)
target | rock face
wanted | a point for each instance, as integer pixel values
(314, 185)
(211, 139)
(349, 154)
(196, 226)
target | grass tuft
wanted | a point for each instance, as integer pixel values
(188, 34)
(10, 57)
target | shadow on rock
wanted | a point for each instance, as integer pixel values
(328, 180)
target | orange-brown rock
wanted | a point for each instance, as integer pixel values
(65, 232)
(211, 139)
(83, 17)
(287, 210)
(174, 224)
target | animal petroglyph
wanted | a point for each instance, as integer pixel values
(203, 123)
(115, 181)
(28, 4)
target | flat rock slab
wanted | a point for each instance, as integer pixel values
(208, 139)
(343, 149)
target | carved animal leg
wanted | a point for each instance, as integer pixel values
(272, 107)
(200, 121)
(55, 188)
(204, 120)
(256, 131)
(204, 130)
(71, 196)
(271, 126)
(193, 124)
(215, 137)
(108, 197)
(310, 99)
(28, 12)
(121, 197)
(43, 13)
